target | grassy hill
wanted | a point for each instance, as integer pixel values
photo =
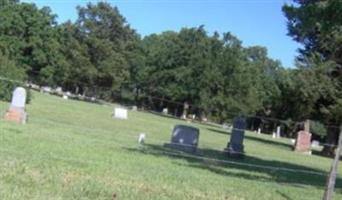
(74, 150)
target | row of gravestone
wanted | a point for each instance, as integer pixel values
(183, 137)
(17, 112)
(186, 138)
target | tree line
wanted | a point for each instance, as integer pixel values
(100, 55)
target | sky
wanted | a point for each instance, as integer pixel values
(255, 22)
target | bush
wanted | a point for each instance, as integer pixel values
(318, 128)
(11, 77)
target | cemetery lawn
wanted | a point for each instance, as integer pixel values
(74, 150)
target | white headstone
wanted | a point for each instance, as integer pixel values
(278, 131)
(273, 135)
(315, 143)
(59, 90)
(259, 131)
(134, 108)
(19, 98)
(165, 111)
(46, 89)
(120, 113)
(141, 139)
(65, 97)
(293, 141)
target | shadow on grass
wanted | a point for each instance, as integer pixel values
(257, 139)
(246, 167)
(285, 196)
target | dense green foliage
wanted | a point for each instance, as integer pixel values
(9, 71)
(317, 24)
(215, 74)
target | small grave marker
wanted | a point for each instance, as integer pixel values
(120, 113)
(134, 108)
(165, 111)
(141, 139)
(16, 112)
(315, 144)
(59, 90)
(259, 131)
(278, 131)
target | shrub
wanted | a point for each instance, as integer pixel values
(318, 128)
(11, 77)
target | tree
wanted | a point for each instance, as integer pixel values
(108, 38)
(317, 24)
(28, 36)
(11, 77)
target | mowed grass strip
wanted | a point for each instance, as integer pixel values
(74, 150)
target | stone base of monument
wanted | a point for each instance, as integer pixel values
(303, 142)
(180, 147)
(17, 115)
(234, 151)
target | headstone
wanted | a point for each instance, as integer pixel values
(273, 135)
(65, 97)
(293, 141)
(46, 89)
(141, 139)
(134, 108)
(315, 144)
(185, 110)
(59, 90)
(259, 131)
(165, 111)
(16, 112)
(33, 86)
(235, 147)
(303, 141)
(184, 138)
(120, 113)
(278, 131)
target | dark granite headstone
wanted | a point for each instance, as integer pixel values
(184, 138)
(235, 146)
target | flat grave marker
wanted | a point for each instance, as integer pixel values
(120, 113)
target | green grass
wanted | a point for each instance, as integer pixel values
(74, 150)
